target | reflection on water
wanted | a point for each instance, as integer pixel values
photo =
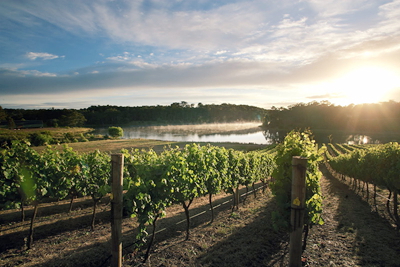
(360, 139)
(248, 132)
(272, 137)
(240, 133)
(323, 136)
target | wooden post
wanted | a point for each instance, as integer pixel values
(299, 166)
(117, 171)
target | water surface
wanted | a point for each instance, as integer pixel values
(248, 133)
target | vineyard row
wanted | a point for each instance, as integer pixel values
(153, 181)
(378, 166)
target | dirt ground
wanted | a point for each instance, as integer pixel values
(354, 234)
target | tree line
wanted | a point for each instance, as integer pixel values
(367, 118)
(176, 113)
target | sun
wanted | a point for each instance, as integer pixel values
(367, 84)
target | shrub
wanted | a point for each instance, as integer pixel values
(115, 132)
(40, 139)
(82, 138)
(69, 138)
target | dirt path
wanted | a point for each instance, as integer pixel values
(353, 234)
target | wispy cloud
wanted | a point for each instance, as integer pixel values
(187, 45)
(254, 29)
(330, 8)
(44, 56)
(233, 73)
(326, 96)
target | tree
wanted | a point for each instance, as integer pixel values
(115, 131)
(72, 118)
(3, 114)
(11, 123)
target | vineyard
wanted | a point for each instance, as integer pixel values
(171, 195)
(370, 171)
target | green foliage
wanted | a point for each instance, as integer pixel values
(182, 112)
(325, 115)
(40, 139)
(379, 165)
(148, 190)
(96, 167)
(297, 144)
(11, 123)
(69, 138)
(9, 193)
(20, 174)
(29, 176)
(71, 118)
(3, 114)
(115, 132)
(155, 181)
(83, 138)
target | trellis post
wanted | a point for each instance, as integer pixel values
(299, 166)
(117, 161)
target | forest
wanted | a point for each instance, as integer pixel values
(176, 113)
(366, 118)
(381, 117)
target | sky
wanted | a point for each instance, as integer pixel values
(265, 53)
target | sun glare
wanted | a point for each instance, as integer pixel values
(365, 85)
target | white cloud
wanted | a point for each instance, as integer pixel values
(227, 29)
(391, 10)
(221, 52)
(44, 56)
(38, 73)
(329, 8)
(120, 58)
(227, 25)
(231, 44)
(15, 73)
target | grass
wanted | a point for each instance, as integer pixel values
(56, 133)
(115, 146)
(110, 145)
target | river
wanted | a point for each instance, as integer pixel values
(246, 132)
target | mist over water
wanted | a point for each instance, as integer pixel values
(246, 132)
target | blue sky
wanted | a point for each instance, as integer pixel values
(78, 53)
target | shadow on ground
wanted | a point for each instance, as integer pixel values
(239, 241)
(255, 244)
(371, 238)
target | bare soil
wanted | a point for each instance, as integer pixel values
(354, 234)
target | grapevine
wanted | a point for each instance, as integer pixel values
(297, 144)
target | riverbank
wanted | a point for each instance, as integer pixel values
(115, 146)
(347, 136)
(239, 132)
